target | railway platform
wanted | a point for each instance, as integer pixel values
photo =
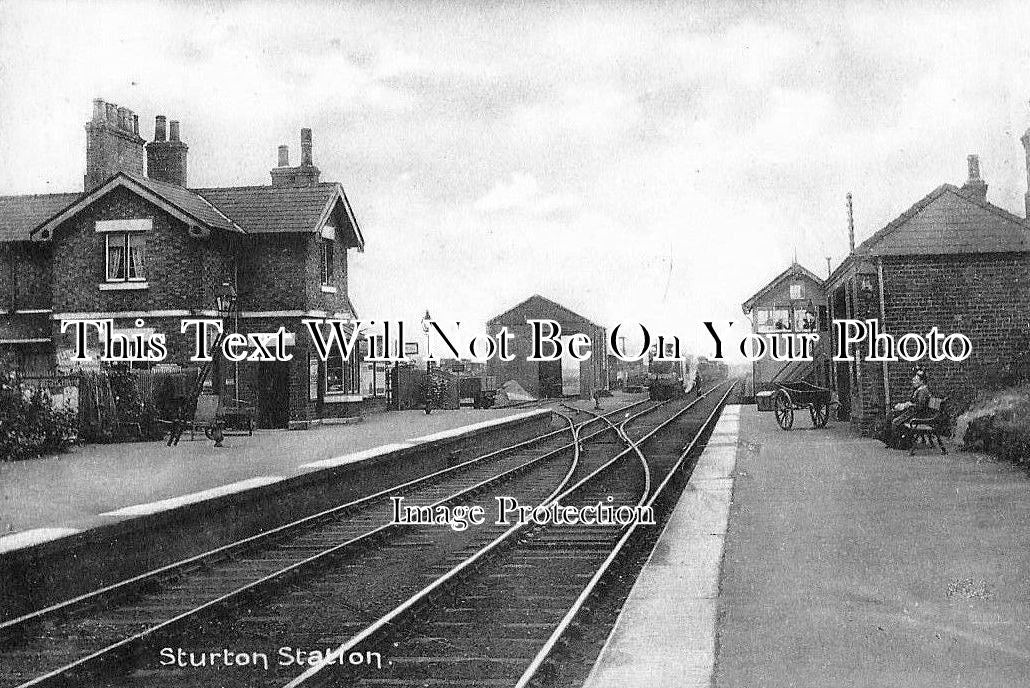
(837, 562)
(95, 485)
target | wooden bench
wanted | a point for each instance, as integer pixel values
(929, 427)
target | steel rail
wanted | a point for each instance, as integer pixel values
(315, 673)
(541, 657)
(254, 587)
(620, 429)
(223, 551)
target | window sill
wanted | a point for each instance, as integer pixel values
(328, 289)
(120, 286)
(337, 397)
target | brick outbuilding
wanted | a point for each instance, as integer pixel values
(146, 251)
(953, 261)
(550, 378)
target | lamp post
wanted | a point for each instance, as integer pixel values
(429, 380)
(225, 304)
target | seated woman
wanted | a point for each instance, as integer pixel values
(917, 405)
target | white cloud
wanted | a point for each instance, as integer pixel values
(521, 193)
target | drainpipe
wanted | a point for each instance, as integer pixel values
(883, 316)
(9, 255)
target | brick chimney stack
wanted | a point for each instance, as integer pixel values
(305, 174)
(974, 186)
(166, 154)
(113, 144)
(1026, 146)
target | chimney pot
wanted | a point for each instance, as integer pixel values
(975, 187)
(973, 162)
(111, 145)
(173, 130)
(284, 156)
(159, 128)
(305, 148)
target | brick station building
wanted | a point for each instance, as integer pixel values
(140, 247)
(953, 260)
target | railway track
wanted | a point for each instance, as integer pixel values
(496, 618)
(95, 635)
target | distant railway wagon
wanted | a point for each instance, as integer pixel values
(712, 371)
(667, 379)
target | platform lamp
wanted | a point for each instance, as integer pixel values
(225, 304)
(426, 319)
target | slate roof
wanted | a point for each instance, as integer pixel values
(239, 209)
(190, 202)
(261, 209)
(947, 220)
(20, 214)
(267, 209)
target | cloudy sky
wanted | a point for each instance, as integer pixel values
(635, 162)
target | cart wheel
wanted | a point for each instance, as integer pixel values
(820, 414)
(784, 410)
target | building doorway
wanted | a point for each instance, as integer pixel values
(273, 395)
(550, 379)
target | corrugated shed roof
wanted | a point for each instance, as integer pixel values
(537, 306)
(19, 215)
(262, 209)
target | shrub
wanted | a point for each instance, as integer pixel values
(999, 424)
(29, 425)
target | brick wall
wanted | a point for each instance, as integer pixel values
(273, 270)
(25, 276)
(318, 299)
(182, 272)
(984, 296)
(110, 149)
